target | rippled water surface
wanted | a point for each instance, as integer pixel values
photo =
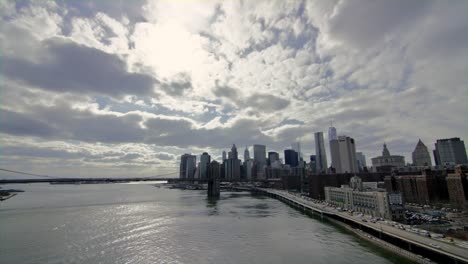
(138, 223)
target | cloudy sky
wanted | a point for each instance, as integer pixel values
(123, 88)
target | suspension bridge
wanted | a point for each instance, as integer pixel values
(171, 176)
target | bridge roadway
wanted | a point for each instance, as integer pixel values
(456, 253)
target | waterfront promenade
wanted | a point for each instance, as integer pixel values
(454, 252)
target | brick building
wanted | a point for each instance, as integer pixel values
(427, 188)
(457, 184)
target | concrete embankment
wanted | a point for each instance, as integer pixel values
(382, 244)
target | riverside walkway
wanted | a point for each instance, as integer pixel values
(442, 252)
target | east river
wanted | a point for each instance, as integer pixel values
(139, 223)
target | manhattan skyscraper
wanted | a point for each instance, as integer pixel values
(343, 154)
(321, 156)
(260, 158)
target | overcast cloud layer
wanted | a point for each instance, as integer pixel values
(124, 88)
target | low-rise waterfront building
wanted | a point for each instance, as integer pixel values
(353, 197)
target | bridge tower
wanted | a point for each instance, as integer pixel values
(213, 180)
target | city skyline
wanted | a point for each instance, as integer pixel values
(100, 89)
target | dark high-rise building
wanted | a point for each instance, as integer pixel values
(205, 160)
(188, 166)
(450, 151)
(260, 159)
(291, 158)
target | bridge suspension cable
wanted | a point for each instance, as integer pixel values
(30, 174)
(166, 174)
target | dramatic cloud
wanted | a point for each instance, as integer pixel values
(101, 88)
(70, 67)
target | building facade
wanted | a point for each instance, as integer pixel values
(332, 135)
(421, 155)
(246, 154)
(457, 185)
(188, 166)
(361, 161)
(427, 188)
(320, 153)
(374, 203)
(260, 159)
(343, 154)
(387, 162)
(205, 160)
(450, 151)
(232, 167)
(291, 158)
(313, 164)
(272, 157)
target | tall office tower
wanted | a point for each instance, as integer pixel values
(234, 152)
(188, 165)
(421, 155)
(232, 167)
(224, 155)
(290, 158)
(260, 157)
(361, 160)
(246, 154)
(320, 153)
(296, 146)
(343, 154)
(191, 167)
(332, 133)
(450, 151)
(248, 167)
(273, 156)
(183, 166)
(205, 160)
